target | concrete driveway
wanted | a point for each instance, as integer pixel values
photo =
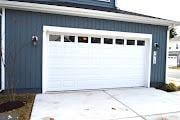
(110, 104)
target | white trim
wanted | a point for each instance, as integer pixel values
(84, 13)
(104, 0)
(117, 4)
(95, 32)
(44, 61)
(1, 62)
(3, 49)
(149, 64)
(64, 30)
(167, 54)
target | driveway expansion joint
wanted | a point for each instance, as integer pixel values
(138, 115)
(162, 113)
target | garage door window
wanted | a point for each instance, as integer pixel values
(83, 39)
(130, 42)
(140, 42)
(95, 40)
(120, 41)
(108, 41)
(69, 38)
(56, 38)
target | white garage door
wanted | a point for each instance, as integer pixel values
(84, 61)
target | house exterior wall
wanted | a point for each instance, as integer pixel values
(173, 61)
(25, 71)
(101, 3)
(174, 53)
(178, 60)
(174, 46)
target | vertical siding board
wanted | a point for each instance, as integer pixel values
(158, 56)
(40, 53)
(30, 23)
(161, 53)
(7, 52)
(32, 27)
(38, 48)
(155, 66)
(152, 66)
(110, 4)
(19, 53)
(25, 46)
(88, 23)
(37, 26)
(164, 53)
(14, 58)
(35, 48)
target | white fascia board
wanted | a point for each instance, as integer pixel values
(85, 13)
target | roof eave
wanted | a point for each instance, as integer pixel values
(35, 7)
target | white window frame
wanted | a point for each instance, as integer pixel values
(91, 32)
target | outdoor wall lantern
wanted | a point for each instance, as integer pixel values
(34, 40)
(156, 46)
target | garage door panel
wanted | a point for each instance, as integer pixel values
(99, 57)
(128, 68)
(74, 66)
(92, 84)
(93, 73)
(79, 52)
(94, 60)
(98, 66)
(65, 75)
(99, 69)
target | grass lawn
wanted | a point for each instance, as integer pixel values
(24, 112)
(176, 68)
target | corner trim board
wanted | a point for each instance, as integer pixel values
(3, 49)
(167, 53)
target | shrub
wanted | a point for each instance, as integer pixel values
(171, 87)
(178, 88)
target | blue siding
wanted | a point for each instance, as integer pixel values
(100, 3)
(21, 25)
(90, 2)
